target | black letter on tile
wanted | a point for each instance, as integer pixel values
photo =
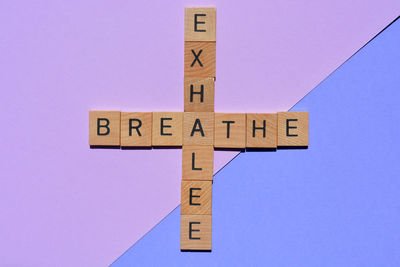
(258, 128)
(197, 122)
(290, 127)
(198, 22)
(193, 230)
(99, 120)
(193, 196)
(193, 163)
(228, 124)
(165, 126)
(196, 58)
(201, 93)
(135, 127)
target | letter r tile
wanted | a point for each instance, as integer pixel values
(136, 129)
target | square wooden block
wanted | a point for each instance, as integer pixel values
(167, 129)
(293, 129)
(196, 232)
(104, 128)
(262, 130)
(196, 197)
(136, 129)
(199, 94)
(198, 128)
(230, 130)
(200, 23)
(197, 162)
(199, 59)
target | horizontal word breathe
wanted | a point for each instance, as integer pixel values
(221, 130)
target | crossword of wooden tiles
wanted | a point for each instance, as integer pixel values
(198, 130)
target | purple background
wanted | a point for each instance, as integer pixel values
(66, 205)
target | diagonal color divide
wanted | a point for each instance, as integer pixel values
(85, 207)
(330, 205)
(198, 130)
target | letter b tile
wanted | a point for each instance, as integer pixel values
(104, 128)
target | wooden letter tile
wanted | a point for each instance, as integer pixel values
(199, 59)
(167, 129)
(293, 129)
(136, 129)
(197, 162)
(230, 130)
(198, 128)
(200, 23)
(196, 197)
(199, 94)
(196, 232)
(104, 128)
(261, 130)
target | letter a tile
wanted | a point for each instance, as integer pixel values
(198, 128)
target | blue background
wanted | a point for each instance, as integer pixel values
(335, 204)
